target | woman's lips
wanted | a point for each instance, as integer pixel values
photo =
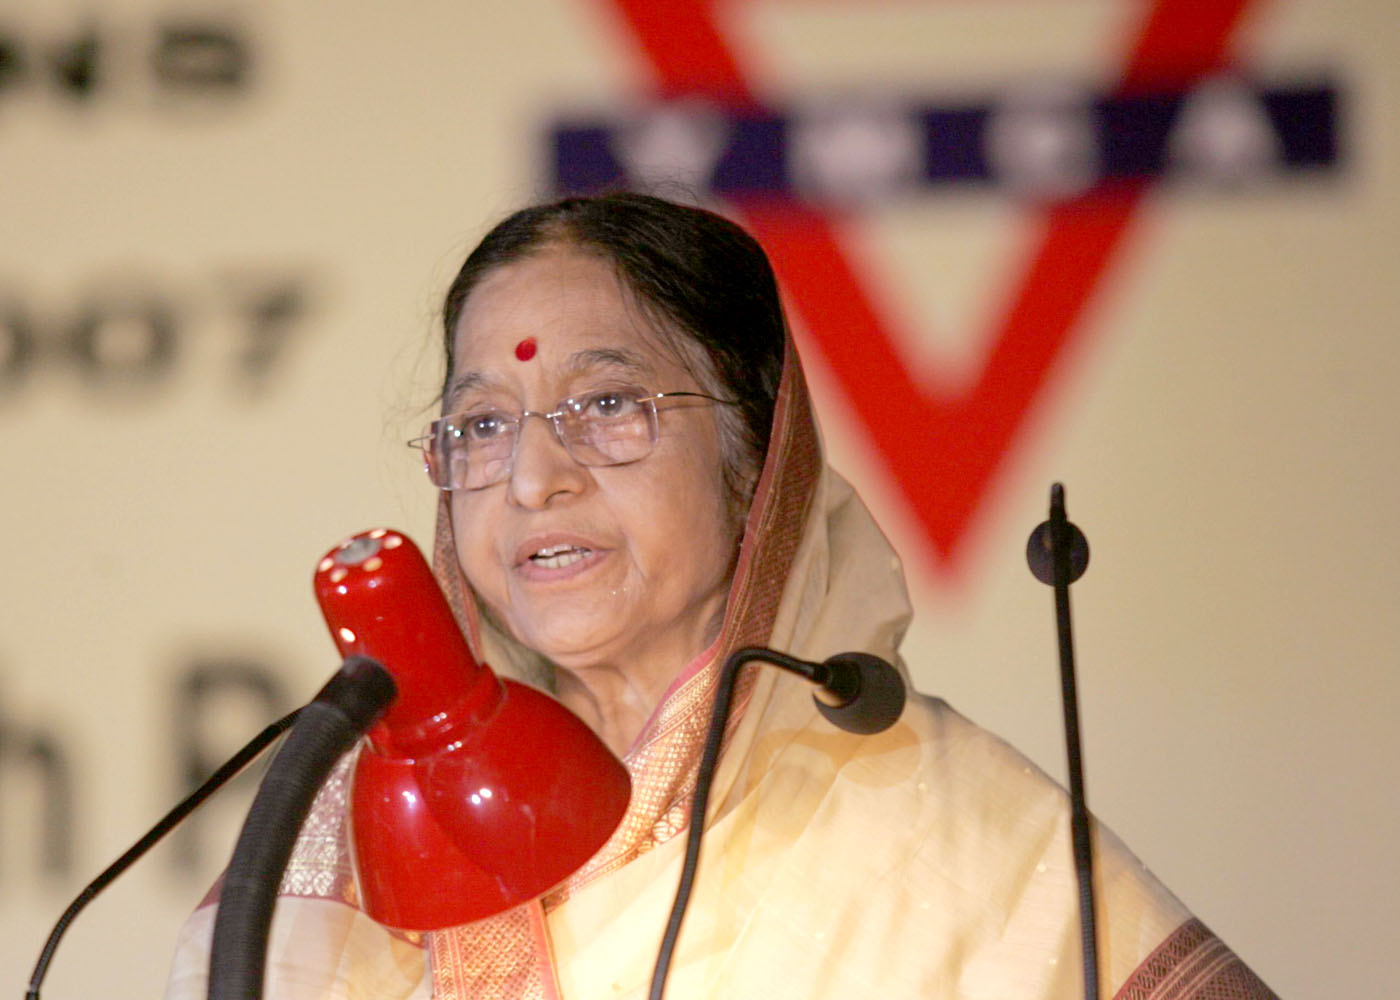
(559, 557)
(556, 557)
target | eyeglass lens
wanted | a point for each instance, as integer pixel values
(474, 450)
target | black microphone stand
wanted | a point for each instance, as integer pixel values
(167, 823)
(859, 693)
(325, 730)
(1058, 554)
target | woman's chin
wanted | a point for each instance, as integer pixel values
(610, 628)
(585, 661)
(571, 621)
(571, 644)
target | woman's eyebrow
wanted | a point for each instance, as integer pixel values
(592, 358)
(474, 379)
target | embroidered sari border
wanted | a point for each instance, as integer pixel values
(1193, 963)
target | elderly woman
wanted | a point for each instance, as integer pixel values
(931, 860)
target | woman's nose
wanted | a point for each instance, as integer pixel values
(543, 469)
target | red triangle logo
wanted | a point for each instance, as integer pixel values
(943, 448)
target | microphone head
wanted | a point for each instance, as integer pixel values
(1040, 552)
(873, 693)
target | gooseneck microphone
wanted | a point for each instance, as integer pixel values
(168, 822)
(1058, 554)
(325, 730)
(857, 692)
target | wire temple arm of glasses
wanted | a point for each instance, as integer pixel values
(696, 395)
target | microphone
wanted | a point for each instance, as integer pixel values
(1043, 544)
(168, 822)
(857, 692)
(325, 729)
(1058, 554)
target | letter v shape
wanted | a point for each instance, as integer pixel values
(946, 470)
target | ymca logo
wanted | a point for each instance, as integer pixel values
(1084, 163)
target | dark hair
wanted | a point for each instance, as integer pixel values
(696, 273)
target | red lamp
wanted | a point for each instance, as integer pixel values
(472, 794)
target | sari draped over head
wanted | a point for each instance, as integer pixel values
(930, 860)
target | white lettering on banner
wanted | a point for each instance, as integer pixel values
(1037, 142)
(855, 152)
(676, 143)
(128, 334)
(1042, 142)
(1223, 133)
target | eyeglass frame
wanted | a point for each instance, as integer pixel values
(425, 442)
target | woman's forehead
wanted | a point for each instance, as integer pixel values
(558, 315)
(581, 366)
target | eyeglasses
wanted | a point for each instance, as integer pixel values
(476, 449)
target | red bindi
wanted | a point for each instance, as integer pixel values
(525, 350)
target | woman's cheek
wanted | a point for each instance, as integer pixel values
(475, 556)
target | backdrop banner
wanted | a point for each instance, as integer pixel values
(1141, 248)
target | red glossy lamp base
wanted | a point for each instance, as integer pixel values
(528, 797)
(471, 795)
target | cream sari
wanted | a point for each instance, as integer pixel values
(931, 860)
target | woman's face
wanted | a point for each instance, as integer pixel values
(624, 566)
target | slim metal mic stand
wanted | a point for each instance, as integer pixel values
(171, 819)
(1058, 554)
